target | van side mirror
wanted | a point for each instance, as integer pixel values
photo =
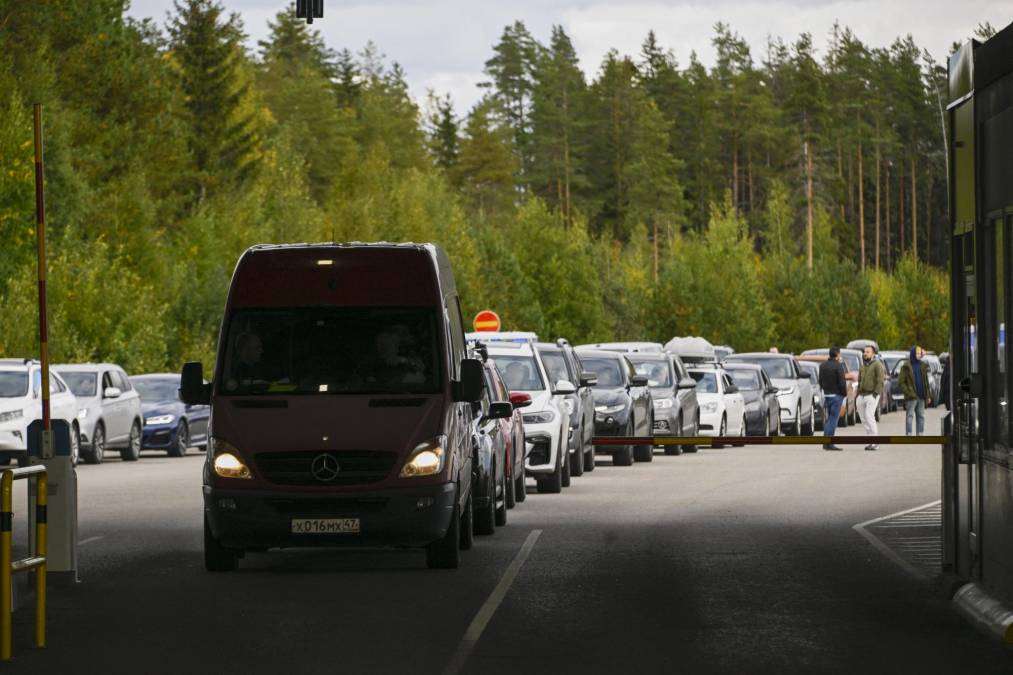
(500, 410)
(588, 379)
(192, 388)
(469, 388)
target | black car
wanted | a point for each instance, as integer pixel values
(622, 405)
(490, 447)
(562, 363)
(169, 424)
(673, 392)
(763, 413)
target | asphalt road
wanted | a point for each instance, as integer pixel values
(732, 560)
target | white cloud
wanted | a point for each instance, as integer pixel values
(443, 44)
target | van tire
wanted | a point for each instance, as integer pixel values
(217, 558)
(466, 524)
(485, 517)
(132, 451)
(501, 510)
(445, 553)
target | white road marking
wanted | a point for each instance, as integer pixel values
(90, 540)
(860, 528)
(481, 620)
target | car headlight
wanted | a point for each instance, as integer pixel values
(610, 409)
(426, 459)
(710, 407)
(159, 419)
(11, 416)
(227, 463)
(568, 406)
(82, 414)
(663, 404)
(785, 392)
(543, 417)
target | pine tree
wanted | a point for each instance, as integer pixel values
(443, 132)
(486, 164)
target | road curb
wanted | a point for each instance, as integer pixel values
(986, 613)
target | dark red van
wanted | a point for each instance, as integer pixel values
(340, 404)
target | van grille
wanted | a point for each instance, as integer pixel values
(357, 467)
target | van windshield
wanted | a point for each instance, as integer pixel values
(331, 350)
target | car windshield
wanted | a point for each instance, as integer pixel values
(13, 384)
(747, 380)
(156, 390)
(854, 361)
(706, 383)
(776, 369)
(555, 365)
(610, 375)
(658, 373)
(82, 384)
(331, 350)
(520, 372)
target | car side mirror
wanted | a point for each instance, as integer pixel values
(519, 399)
(687, 383)
(588, 379)
(564, 388)
(639, 381)
(192, 388)
(500, 410)
(112, 392)
(772, 390)
(732, 389)
(469, 388)
(804, 376)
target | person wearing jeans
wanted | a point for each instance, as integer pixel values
(914, 383)
(870, 390)
(835, 389)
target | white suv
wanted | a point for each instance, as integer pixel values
(21, 404)
(546, 420)
(110, 410)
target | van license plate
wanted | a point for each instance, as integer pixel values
(325, 526)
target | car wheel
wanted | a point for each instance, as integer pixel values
(577, 459)
(696, 432)
(508, 490)
(807, 428)
(501, 509)
(182, 441)
(722, 430)
(589, 459)
(645, 453)
(565, 474)
(520, 488)
(742, 432)
(796, 429)
(133, 449)
(766, 425)
(75, 444)
(217, 558)
(98, 445)
(465, 535)
(553, 483)
(624, 456)
(445, 553)
(676, 449)
(485, 517)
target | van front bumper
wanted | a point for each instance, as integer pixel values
(413, 517)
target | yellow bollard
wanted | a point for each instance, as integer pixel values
(6, 523)
(41, 551)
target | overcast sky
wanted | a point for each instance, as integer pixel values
(443, 44)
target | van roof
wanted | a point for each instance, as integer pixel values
(350, 274)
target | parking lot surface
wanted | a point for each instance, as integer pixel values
(730, 560)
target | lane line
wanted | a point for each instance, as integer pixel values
(860, 528)
(90, 540)
(481, 620)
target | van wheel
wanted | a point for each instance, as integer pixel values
(445, 553)
(485, 517)
(520, 488)
(217, 558)
(466, 524)
(133, 450)
(501, 509)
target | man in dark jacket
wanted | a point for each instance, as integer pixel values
(835, 389)
(914, 383)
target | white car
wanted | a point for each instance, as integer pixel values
(21, 404)
(546, 420)
(794, 390)
(110, 410)
(722, 407)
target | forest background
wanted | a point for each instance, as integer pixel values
(793, 198)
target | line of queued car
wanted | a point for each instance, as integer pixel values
(106, 410)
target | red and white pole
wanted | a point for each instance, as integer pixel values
(40, 231)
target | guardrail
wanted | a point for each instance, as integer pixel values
(35, 562)
(769, 440)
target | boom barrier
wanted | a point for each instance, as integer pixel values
(769, 440)
(35, 562)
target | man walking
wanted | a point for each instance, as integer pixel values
(914, 383)
(870, 391)
(835, 389)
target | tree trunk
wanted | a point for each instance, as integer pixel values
(840, 176)
(886, 211)
(878, 176)
(567, 168)
(735, 175)
(749, 176)
(655, 251)
(851, 189)
(861, 208)
(914, 208)
(808, 194)
(900, 199)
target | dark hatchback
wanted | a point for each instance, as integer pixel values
(622, 404)
(763, 413)
(169, 424)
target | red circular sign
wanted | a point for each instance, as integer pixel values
(486, 321)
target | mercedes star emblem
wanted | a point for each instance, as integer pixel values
(325, 468)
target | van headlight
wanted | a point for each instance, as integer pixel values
(426, 459)
(543, 417)
(227, 462)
